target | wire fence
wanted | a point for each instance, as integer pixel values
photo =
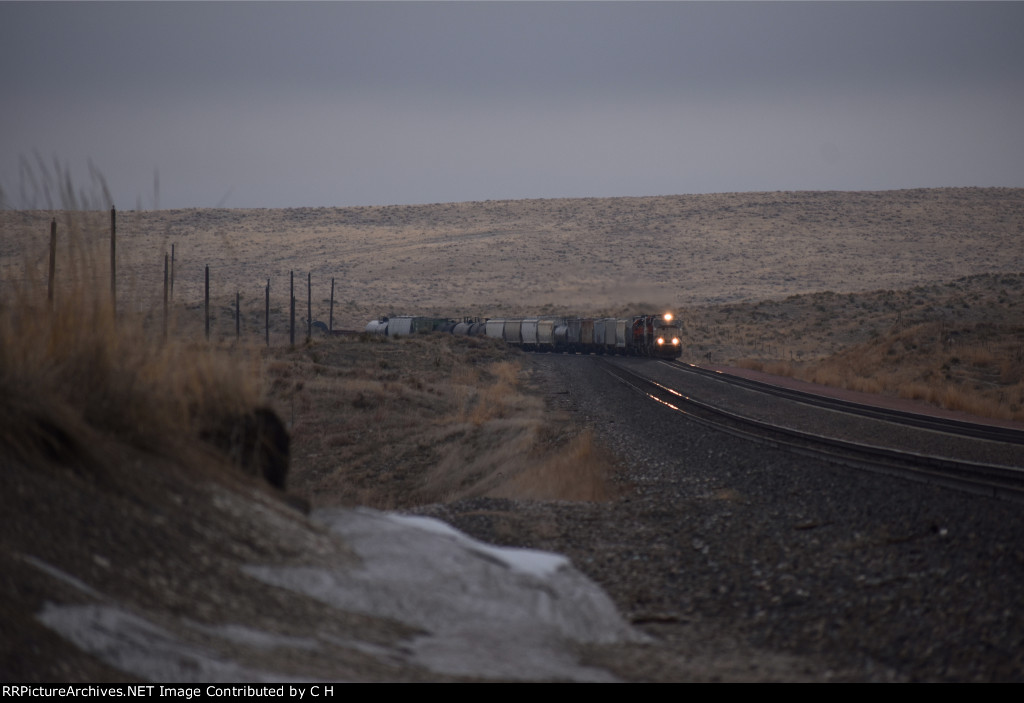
(56, 279)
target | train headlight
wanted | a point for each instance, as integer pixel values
(675, 341)
(668, 317)
(661, 340)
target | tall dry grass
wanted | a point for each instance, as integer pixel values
(75, 372)
(957, 345)
(578, 471)
(75, 376)
(972, 368)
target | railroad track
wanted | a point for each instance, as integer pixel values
(1003, 479)
(946, 425)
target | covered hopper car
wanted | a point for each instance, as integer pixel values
(640, 335)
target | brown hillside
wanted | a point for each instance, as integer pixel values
(579, 255)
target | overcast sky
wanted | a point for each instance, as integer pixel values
(367, 103)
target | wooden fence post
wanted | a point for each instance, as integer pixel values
(309, 306)
(207, 298)
(238, 317)
(113, 259)
(330, 320)
(51, 282)
(166, 267)
(291, 306)
(266, 314)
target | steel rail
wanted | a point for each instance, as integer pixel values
(928, 422)
(986, 479)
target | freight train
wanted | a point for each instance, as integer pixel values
(641, 335)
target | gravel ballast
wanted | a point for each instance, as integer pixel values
(745, 562)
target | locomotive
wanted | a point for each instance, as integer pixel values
(640, 335)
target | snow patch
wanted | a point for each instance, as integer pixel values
(487, 611)
(529, 561)
(483, 611)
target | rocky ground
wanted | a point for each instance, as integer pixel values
(750, 563)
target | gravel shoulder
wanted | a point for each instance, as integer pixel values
(747, 563)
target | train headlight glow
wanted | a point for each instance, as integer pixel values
(661, 340)
(668, 317)
(675, 340)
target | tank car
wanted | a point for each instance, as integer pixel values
(406, 324)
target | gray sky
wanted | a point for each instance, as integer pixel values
(332, 104)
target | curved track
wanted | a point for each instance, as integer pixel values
(949, 426)
(969, 457)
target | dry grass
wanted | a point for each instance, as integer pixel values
(979, 373)
(958, 345)
(428, 418)
(75, 376)
(495, 400)
(580, 471)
